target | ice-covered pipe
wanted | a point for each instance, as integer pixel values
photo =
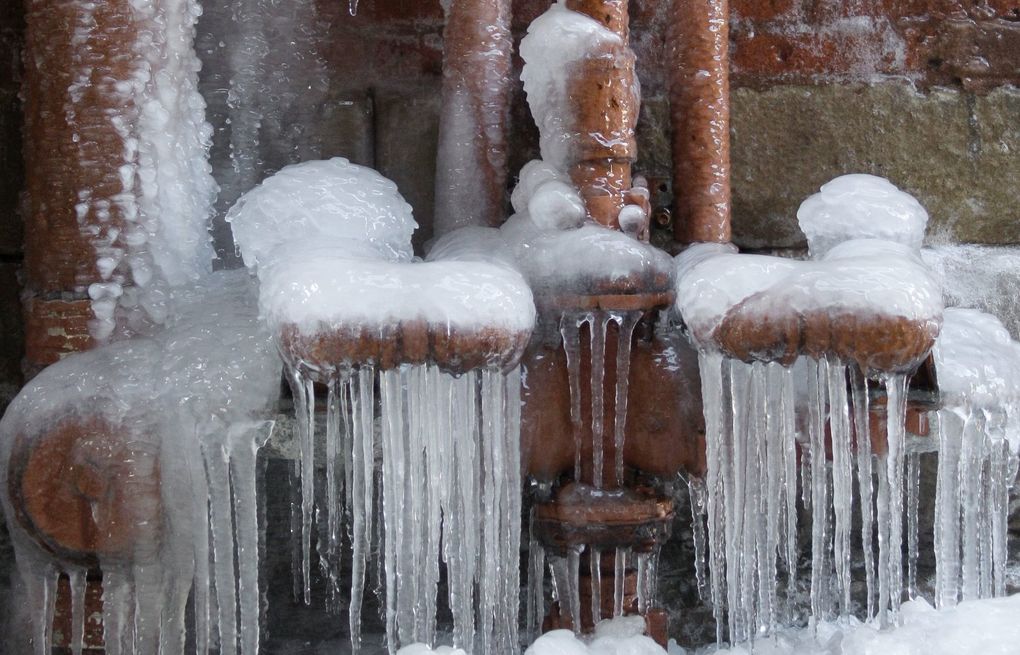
(585, 96)
(471, 170)
(700, 112)
(118, 190)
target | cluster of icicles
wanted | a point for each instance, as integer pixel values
(440, 469)
(566, 571)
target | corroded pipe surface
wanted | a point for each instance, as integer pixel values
(699, 99)
(75, 53)
(606, 106)
(86, 491)
(387, 347)
(471, 168)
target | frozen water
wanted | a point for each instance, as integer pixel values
(331, 242)
(327, 202)
(862, 276)
(167, 187)
(982, 277)
(556, 42)
(861, 207)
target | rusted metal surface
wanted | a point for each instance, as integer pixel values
(665, 425)
(471, 177)
(86, 491)
(698, 37)
(605, 113)
(877, 344)
(389, 346)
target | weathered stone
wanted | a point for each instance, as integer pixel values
(955, 151)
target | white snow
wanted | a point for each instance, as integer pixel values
(985, 627)
(619, 636)
(861, 207)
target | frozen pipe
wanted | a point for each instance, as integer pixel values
(471, 170)
(73, 152)
(606, 97)
(699, 99)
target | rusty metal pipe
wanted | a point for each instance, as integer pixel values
(471, 170)
(606, 105)
(700, 115)
(73, 156)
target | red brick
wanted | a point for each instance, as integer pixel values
(763, 10)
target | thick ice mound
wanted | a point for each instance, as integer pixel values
(978, 362)
(556, 42)
(861, 207)
(332, 244)
(330, 201)
(863, 276)
(559, 251)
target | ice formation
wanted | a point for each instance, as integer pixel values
(557, 42)
(864, 237)
(979, 436)
(166, 430)
(982, 277)
(331, 244)
(167, 187)
(861, 207)
(867, 278)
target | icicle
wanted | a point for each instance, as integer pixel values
(698, 502)
(363, 459)
(820, 574)
(461, 566)
(245, 441)
(865, 483)
(118, 636)
(353, 7)
(595, 573)
(712, 395)
(896, 387)
(393, 488)
(570, 332)
(77, 587)
(574, 598)
(512, 510)
(619, 580)
(331, 544)
(598, 392)
(788, 423)
(221, 522)
(303, 391)
(627, 322)
(913, 491)
(536, 596)
(970, 486)
(842, 480)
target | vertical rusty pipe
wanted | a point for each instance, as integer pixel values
(471, 170)
(606, 109)
(75, 54)
(699, 99)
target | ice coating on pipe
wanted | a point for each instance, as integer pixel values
(331, 243)
(865, 278)
(978, 361)
(129, 453)
(861, 207)
(556, 42)
(323, 201)
(559, 251)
